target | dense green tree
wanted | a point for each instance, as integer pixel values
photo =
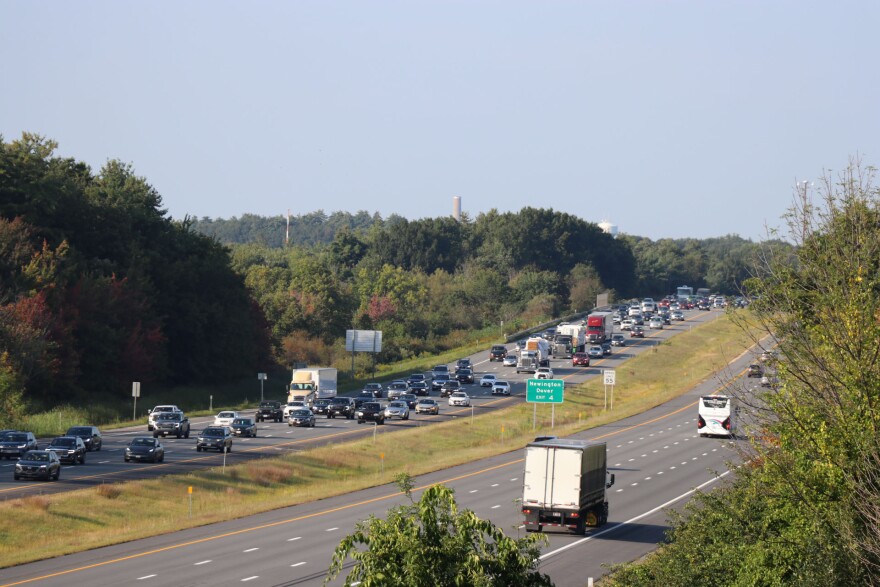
(432, 542)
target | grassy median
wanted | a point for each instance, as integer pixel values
(43, 526)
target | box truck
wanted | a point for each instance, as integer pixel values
(308, 385)
(564, 485)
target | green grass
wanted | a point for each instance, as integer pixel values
(110, 514)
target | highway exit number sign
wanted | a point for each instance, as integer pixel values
(544, 391)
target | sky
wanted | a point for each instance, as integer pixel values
(670, 119)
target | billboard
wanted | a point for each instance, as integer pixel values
(363, 341)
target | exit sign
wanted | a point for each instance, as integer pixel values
(544, 391)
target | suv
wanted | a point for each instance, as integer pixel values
(415, 377)
(439, 381)
(270, 410)
(450, 387)
(90, 435)
(215, 438)
(154, 413)
(395, 388)
(321, 406)
(374, 388)
(462, 364)
(371, 411)
(69, 449)
(465, 375)
(14, 444)
(497, 353)
(171, 423)
(341, 406)
(439, 370)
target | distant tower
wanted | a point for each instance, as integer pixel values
(608, 228)
(287, 234)
(456, 208)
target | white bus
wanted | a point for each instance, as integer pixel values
(684, 292)
(717, 416)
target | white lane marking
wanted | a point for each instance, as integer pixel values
(667, 446)
(251, 549)
(103, 462)
(643, 456)
(495, 507)
(631, 520)
(473, 491)
(672, 467)
(684, 462)
(298, 564)
(693, 458)
(250, 578)
(659, 472)
(616, 464)
(653, 451)
(494, 485)
(619, 490)
(202, 562)
(331, 529)
(292, 539)
(647, 478)
(145, 577)
(705, 454)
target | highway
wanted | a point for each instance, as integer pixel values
(656, 456)
(275, 439)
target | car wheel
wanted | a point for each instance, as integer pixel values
(14, 476)
(381, 422)
(178, 435)
(360, 421)
(198, 449)
(82, 459)
(229, 449)
(406, 417)
(126, 459)
(58, 474)
(187, 433)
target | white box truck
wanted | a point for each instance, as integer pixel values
(307, 385)
(564, 485)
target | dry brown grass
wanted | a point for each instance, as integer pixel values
(109, 490)
(33, 503)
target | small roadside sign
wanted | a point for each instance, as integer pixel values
(545, 391)
(609, 376)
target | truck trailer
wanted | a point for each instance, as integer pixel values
(578, 334)
(319, 381)
(564, 485)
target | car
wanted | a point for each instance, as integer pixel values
(301, 417)
(627, 324)
(244, 427)
(450, 387)
(298, 404)
(439, 381)
(704, 305)
(90, 435)
(580, 359)
(509, 361)
(769, 356)
(666, 317)
(419, 387)
(677, 315)
(225, 418)
(156, 410)
(655, 323)
(270, 410)
(360, 400)
(768, 380)
(520, 344)
(501, 388)
(371, 411)
(397, 409)
(38, 464)
(14, 444)
(427, 406)
(637, 332)
(462, 364)
(415, 377)
(395, 388)
(459, 398)
(144, 448)
(439, 370)
(487, 380)
(375, 389)
(618, 340)
(755, 370)
(70, 449)
(410, 399)
(465, 375)
(217, 438)
(175, 423)
(341, 406)
(606, 348)
(544, 373)
(595, 352)
(320, 407)
(497, 352)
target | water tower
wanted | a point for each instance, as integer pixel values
(608, 228)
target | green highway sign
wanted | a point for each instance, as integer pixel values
(544, 391)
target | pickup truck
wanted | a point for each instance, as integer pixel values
(270, 410)
(171, 423)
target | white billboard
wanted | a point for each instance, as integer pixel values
(363, 341)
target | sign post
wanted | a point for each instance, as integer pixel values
(135, 393)
(545, 391)
(262, 377)
(609, 378)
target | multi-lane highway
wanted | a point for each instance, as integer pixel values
(657, 458)
(274, 439)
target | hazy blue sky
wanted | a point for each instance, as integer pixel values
(669, 118)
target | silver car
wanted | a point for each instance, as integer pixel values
(397, 409)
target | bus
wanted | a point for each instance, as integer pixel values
(684, 292)
(717, 416)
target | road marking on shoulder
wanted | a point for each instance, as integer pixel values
(298, 564)
(250, 578)
(202, 563)
(331, 529)
(251, 549)
(145, 577)
(292, 539)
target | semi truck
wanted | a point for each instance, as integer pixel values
(317, 383)
(564, 485)
(562, 347)
(578, 334)
(600, 327)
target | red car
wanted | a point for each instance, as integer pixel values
(637, 332)
(582, 359)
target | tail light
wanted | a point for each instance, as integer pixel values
(726, 424)
(700, 423)
(527, 511)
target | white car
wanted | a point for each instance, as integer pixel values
(656, 323)
(627, 324)
(509, 361)
(293, 405)
(459, 398)
(501, 388)
(397, 409)
(225, 418)
(595, 352)
(544, 373)
(488, 380)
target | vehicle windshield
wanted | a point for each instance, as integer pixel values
(397, 405)
(226, 415)
(171, 416)
(499, 383)
(715, 402)
(143, 442)
(79, 432)
(372, 406)
(16, 437)
(301, 413)
(212, 432)
(63, 442)
(241, 422)
(339, 400)
(36, 456)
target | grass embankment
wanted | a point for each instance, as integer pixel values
(109, 514)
